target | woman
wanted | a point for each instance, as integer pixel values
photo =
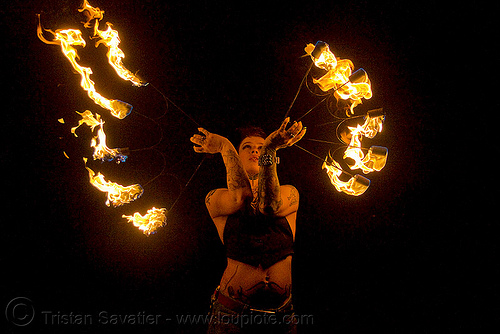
(255, 218)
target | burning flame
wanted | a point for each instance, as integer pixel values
(102, 151)
(68, 39)
(92, 13)
(374, 160)
(376, 157)
(322, 56)
(117, 194)
(339, 76)
(153, 219)
(111, 40)
(88, 119)
(355, 186)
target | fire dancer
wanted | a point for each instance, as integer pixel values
(255, 217)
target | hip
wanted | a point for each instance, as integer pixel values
(229, 315)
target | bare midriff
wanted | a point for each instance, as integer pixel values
(259, 287)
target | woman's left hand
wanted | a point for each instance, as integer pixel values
(282, 138)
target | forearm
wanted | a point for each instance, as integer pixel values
(238, 183)
(269, 186)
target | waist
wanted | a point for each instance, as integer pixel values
(240, 307)
(266, 288)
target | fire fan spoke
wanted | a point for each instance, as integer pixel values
(341, 83)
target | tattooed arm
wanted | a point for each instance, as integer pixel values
(270, 201)
(274, 199)
(223, 202)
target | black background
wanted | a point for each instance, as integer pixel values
(413, 254)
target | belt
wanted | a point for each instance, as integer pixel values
(240, 307)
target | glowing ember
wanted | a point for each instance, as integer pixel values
(355, 186)
(153, 219)
(117, 194)
(339, 76)
(376, 157)
(111, 40)
(68, 39)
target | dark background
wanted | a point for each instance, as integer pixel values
(413, 254)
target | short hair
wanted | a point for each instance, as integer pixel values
(248, 131)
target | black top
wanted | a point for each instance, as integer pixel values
(257, 239)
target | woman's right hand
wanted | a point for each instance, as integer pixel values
(208, 142)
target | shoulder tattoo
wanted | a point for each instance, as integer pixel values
(293, 198)
(207, 199)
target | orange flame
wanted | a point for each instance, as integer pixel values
(376, 157)
(92, 13)
(68, 39)
(325, 59)
(88, 119)
(102, 151)
(153, 219)
(116, 194)
(355, 186)
(111, 40)
(338, 76)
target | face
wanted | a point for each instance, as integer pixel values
(249, 152)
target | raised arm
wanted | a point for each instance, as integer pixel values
(274, 199)
(223, 202)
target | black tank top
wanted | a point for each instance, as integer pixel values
(257, 239)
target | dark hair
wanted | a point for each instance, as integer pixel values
(248, 131)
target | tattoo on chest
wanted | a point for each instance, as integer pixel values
(255, 200)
